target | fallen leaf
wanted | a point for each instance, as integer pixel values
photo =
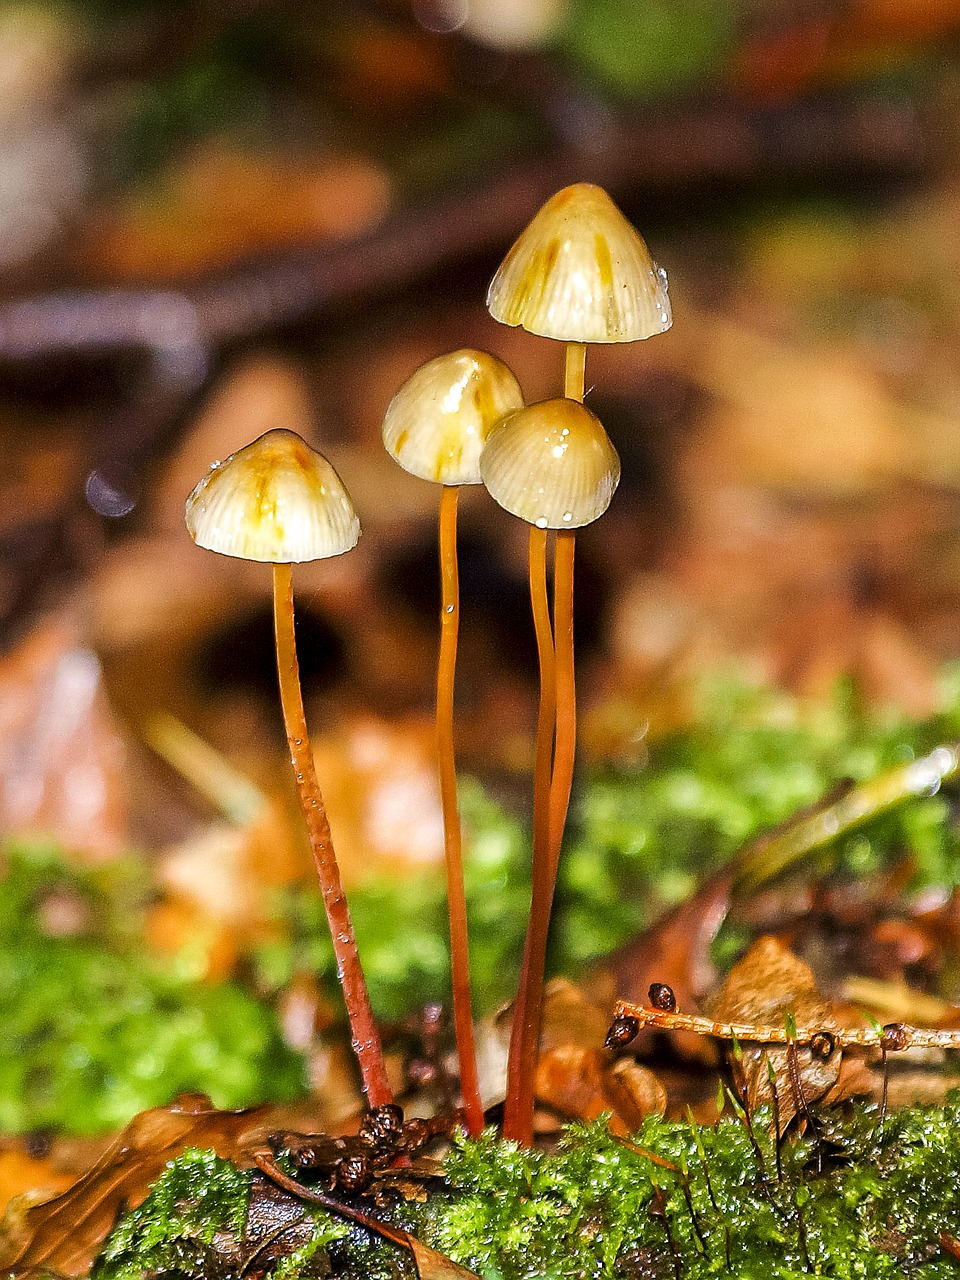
(582, 1084)
(381, 791)
(765, 988)
(22, 1173)
(572, 1017)
(219, 204)
(63, 1235)
(577, 1077)
(62, 759)
(676, 951)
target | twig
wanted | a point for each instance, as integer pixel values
(629, 1019)
(428, 1262)
(648, 153)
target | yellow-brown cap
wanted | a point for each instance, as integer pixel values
(581, 273)
(436, 424)
(276, 500)
(551, 464)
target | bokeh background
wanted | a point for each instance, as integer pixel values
(216, 219)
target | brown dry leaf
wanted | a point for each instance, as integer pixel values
(581, 1084)
(767, 985)
(381, 792)
(222, 204)
(62, 759)
(259, 392)
(768, 392)
(894, 669)
(218, 885)
(63, 1235)
(21, 1173)
(896, 1002)
(577, 1077)
(571, 1017)
(676, 950)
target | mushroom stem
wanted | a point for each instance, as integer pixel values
(574, 370)
(566, 743)
(546, 716)
(521, 1065)
(551, 798)
(456, 896)
(363, 1028)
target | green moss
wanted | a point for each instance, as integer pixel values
(197, 1197)
(96, 1031)
(600, 1208)
(672, 44)
(639, 841)
(95, 1028)
(592, 1209)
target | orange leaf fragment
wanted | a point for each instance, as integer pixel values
(63, 1235)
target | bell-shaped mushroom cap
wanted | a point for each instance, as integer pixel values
(551, 464)
(436, 424)
(581, 273)
(275, 500)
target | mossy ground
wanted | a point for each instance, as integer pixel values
(598, 1207)
(640, 840)
(98, 1030)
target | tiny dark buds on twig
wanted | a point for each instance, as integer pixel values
(822, 1046)
(894, 1037)
(623, 1029)
(662, 997)
(382, 1125)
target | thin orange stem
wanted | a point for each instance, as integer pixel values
(574, 381)
(363, 1028)
(557, 691)
(452, 840)
(521, 1065)
(566, 691)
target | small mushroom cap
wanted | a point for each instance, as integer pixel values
(437, 423)
(581, 273)
(551, 464)
(276, 500)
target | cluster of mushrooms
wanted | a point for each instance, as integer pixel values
(579, 274)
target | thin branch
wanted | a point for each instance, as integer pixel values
(630, 1019)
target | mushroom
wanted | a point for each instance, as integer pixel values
(435, 427)
(551, 464)
(580, 273)
(280, 502)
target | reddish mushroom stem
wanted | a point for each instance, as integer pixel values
(556, 726)
(566, 743)
(546, 716)
(363, 1028)
(521, 1065)
(452, 840)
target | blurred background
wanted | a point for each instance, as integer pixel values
(216, 219)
